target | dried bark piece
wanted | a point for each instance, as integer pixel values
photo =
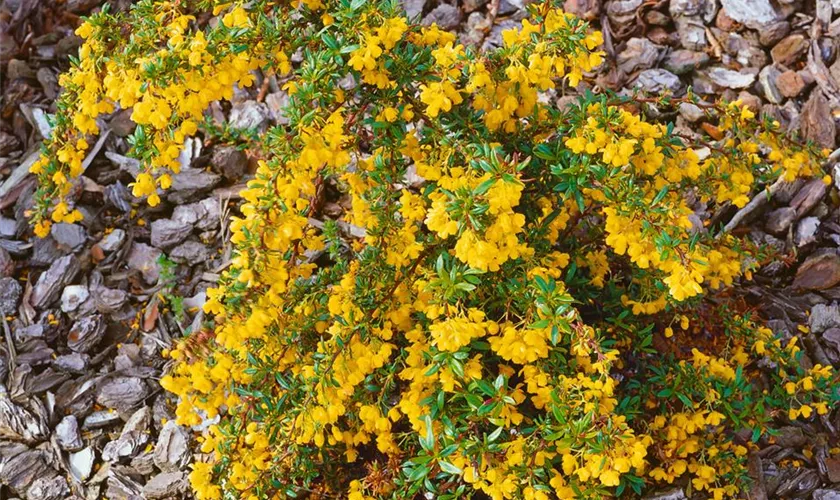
(817, 122)
(790, 83)
(818, 272)
(122, 393)
(81, 463)
(752, 13)
(48, 488)
(773, 33)
(588, 10)
(758, 490)
(808, 196)
(800, 485)
(10, 294)
(165, 485)
(689, 18)
(789, 50)
(821, 74)
(172, 451)
(730, 79)
(832, 466)
(622, 12)
(778, 221)
(7, 265)
(204, 215)
(21, 470)
(109, 300)
(46, 380)
(167, 233)
(133, 437)
(824, 317)
(446, 16)
(229, 161)
(86, 333)
(67, 434)
(658, 80)
(682, 61)
(768, 80)
(53, 280)
(20, 424)
(191, 183)
(76, 396)
(639, 54)
(191, 253)
(669, 494)
(69, 237)
(144, 258)
(101, 419)
(121, 486)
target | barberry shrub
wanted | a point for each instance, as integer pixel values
(520, 300)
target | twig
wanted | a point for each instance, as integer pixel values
(765, 196)
(758, 200)
(96, 147)
(12, 353)
(264, 88)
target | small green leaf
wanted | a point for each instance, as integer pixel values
(428, 440)
(418, 473)
(484, 187)
(494, 435)
(448, 467)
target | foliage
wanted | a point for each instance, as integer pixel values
(546, 313)
(168, 281)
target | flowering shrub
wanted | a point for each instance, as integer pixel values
(524, 316)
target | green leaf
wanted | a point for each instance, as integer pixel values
(543, 323)
(449, 450)
(457, 368)
(687, 402)
(428, 440)
(495, 435)
(484, 186)
(347, 49)
(620, 489)
(580, 203)
(473, 400)
(448, 467)
(418, 473)
(541, 283)
(543, 152)
(486, 408)
(485, 387)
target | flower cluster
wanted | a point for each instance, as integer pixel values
(166, 89)
(502, 306)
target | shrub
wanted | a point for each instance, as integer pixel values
(521, 301)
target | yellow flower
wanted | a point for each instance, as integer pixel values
(364, 58)
(805, 411)
(236, 18)
(42, 229)
(85, 30)
(439, 96)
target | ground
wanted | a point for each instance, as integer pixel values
(89, 309)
